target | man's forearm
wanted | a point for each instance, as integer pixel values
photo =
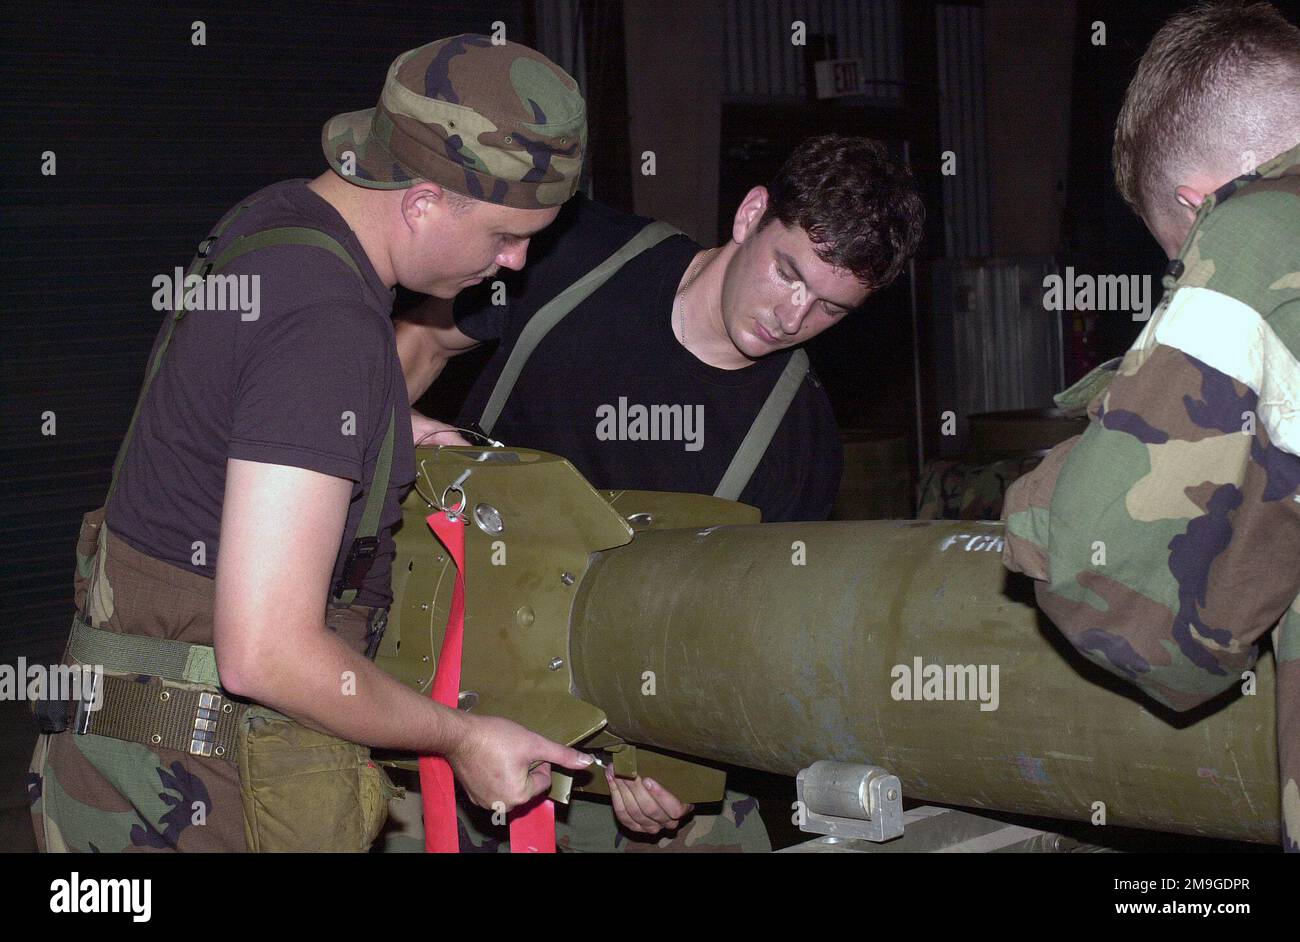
(422, 358)
(325, 685)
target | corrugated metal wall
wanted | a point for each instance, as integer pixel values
(762, 64)
(994, 347)
(960, 37)
(560, 37)
(154, 139)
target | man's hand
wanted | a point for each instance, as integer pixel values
(427, 431)
(501, 761)
(643, 805)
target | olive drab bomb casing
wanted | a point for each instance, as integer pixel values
(495, 122)
(678, 623)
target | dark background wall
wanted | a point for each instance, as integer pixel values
(1099, 233)
(154, 139)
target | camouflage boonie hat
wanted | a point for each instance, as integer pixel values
(500, 123)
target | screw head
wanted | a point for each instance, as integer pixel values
(892, 794)
(556, 663)
(488, 519)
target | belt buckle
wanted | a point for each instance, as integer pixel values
(205, 724)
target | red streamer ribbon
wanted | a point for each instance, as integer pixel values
(532, 826)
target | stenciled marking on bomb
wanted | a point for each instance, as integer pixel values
(975, 543)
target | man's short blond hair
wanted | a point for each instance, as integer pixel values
(1217, 91)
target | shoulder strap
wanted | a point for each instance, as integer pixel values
(555, 310)
(365, 542)
(759, 436)
(192, 662)
(199, 260)
(284, 235)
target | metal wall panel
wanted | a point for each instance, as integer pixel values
(560, 37)
(762, 64)
(960, 38)
(994, 346)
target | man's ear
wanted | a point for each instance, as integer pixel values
(1189, 198)
(420, 200)
(749, 213)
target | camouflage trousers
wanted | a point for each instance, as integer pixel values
(93, 793)
(588, 826)
(969, 488)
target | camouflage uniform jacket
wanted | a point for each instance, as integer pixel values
(1166, 538)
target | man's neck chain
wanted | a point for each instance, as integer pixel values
(690, 279)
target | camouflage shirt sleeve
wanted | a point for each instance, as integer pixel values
(1166, 539)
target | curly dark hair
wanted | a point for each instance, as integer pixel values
(860, 209)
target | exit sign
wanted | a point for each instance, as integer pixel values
(838, 77)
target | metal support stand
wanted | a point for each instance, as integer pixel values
(843, 800)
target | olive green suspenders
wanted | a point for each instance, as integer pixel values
(196, 720)
(365, 543)
(756, 440)
(555, 310)
(759, 436)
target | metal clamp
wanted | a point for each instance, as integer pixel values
(842, 799)
(455, 485)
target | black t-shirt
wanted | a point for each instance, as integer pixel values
(310, 381)
(611, 375)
